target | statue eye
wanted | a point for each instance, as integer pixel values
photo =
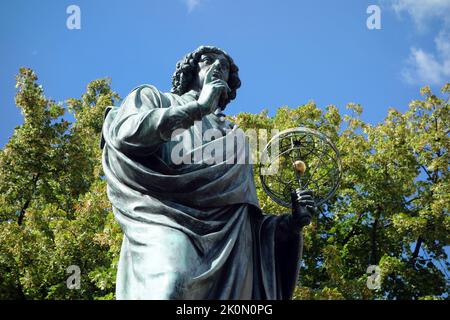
(207, 60)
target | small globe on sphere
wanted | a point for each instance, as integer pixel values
(300, 166)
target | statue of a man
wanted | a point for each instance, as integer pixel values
(194, 230)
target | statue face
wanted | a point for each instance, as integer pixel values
(205, 62)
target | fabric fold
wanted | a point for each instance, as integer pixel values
(191, 231)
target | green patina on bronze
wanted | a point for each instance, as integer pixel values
(191, 231)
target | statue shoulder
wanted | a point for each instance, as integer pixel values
(229, 124)
(151, 93)
(147, 88)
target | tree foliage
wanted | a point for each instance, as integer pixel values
(391, 210)
(392, 207)
(53, 208)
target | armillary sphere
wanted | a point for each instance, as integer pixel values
(300, 158)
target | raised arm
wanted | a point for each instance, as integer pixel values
(146, 117)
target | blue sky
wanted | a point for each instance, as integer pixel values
(289, 52)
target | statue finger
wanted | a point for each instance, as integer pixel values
(307, 202)
(209, 73)
(294, 197)
(222, 82)
(226, 85)
(218, 82)
(306, 192)
(219, 87)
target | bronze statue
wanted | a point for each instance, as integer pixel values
(194, 230)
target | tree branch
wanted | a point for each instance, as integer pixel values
(426, 171)
(416, 249)
(353, 230)
(373, 238)
(27, 203)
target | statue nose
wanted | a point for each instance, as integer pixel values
(217, 73)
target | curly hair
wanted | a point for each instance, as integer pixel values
(187, 68)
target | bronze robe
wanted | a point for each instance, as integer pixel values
(191, 231)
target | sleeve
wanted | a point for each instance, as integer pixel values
(286, 230)
(281, 254)
(288, 253)
(145, 119)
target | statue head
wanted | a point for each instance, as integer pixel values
(188, 72)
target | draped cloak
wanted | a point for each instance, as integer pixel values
(191, 230)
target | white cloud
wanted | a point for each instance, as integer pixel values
(422, 11)
(192, 4)
(427, 66)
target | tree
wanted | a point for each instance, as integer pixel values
(53, 206)
(391, 209)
